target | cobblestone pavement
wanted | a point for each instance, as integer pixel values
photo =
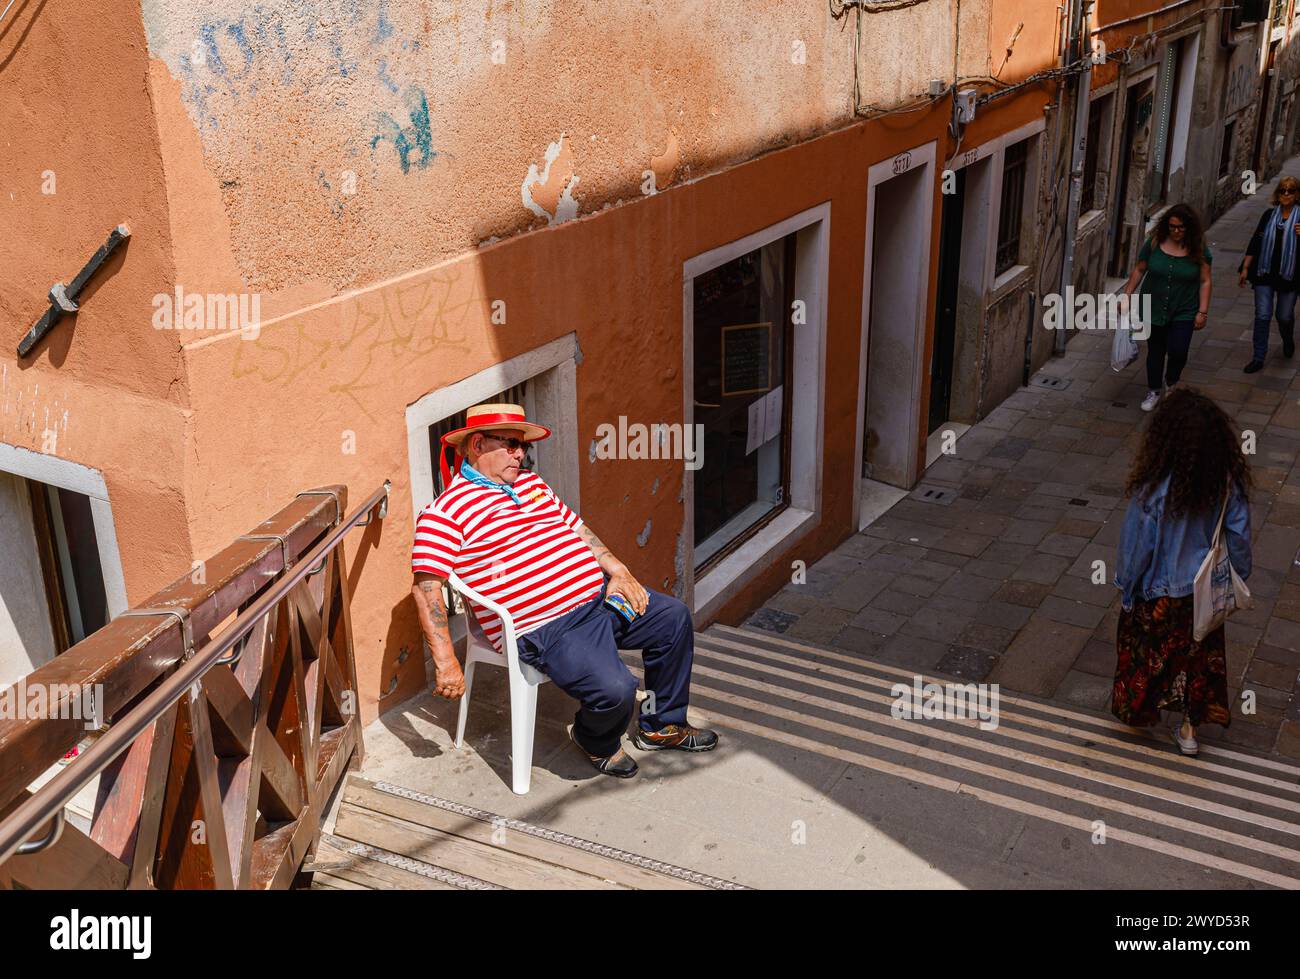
(997, 584)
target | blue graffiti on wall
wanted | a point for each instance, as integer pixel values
(414, 143)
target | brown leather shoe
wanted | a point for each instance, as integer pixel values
(620, 764)
(681, 737)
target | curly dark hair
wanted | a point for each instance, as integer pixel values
(1192, 440)
(1193, 235)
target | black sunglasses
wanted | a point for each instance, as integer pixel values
(511, 443)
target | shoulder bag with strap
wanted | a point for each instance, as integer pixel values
(1217, 591)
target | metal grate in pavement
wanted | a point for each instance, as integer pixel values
(930, 493)
(1050, 381)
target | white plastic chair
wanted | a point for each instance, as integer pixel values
(524, 681)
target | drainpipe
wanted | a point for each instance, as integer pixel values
(1078, 47)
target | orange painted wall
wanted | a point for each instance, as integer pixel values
(1036, 45)
(104, 390)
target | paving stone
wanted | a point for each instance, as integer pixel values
(1288, 739)
(913, 585)
(771, 619)
(966, 662)
(968, 585)
(1004, 553)
(1098, 658)
(1003, 615)
(1030, 594)
(1083, 590)
(1282, 633)
(820, 625)
(897, 601)
(996, 570)
(1282, 676)
(960, 542)
(1075, 613)
(1085, 690)
(1042, 568)
(878, 621)
(926, 624)
(1027, 532)
(1040, 656)
(1063, 545)
(1257, 736)
(911, 652)
(858, 640)
(981, 635)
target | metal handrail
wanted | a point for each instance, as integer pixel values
(50, 798)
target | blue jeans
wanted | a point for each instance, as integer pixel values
(1169, 342)
(1268, 300)
(579, 652)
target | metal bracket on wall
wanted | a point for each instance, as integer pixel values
(63, 298)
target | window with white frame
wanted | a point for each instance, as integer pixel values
(1015, 172)
(755, 324)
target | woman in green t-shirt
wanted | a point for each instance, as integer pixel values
(1173, 268)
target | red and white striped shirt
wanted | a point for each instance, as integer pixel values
(529, 559)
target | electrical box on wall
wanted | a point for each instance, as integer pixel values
(963, 106)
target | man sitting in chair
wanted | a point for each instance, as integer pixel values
(506, 534)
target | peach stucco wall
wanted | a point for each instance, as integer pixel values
(79, 153)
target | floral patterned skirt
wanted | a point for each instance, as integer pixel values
(1160, 666)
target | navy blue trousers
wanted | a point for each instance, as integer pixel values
(1172, 342)
(579, 652)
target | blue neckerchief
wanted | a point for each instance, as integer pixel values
(1287, 271)
(476, 477)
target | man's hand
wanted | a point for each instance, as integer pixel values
(432, 612)
(621, 581)
(450, 680)
(624, 584)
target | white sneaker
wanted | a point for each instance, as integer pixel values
(1151, 400)
(1187, 746)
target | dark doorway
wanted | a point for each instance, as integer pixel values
(1127, 219)
(945, 316)
(1265, 91)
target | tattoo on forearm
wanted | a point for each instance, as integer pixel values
(433, 603)
(599, 549)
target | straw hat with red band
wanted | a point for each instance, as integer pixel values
(489, 418)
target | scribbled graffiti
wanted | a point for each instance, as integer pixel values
(378, 328)
(1241, 89)
(414, 142)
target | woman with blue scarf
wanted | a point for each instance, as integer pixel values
(1270, 266)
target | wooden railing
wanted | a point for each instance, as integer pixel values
(232, 709)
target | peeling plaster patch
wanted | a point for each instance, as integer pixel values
(591, 452)
(644, 536)
(654, 487)
(549, 194)
(665, 164)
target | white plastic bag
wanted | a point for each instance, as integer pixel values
(1123, 348)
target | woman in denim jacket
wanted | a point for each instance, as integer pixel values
(1189, 457)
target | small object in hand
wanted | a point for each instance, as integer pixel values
(621, 605)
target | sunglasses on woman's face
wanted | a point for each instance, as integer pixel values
(1175, 227)
(1287, 190)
